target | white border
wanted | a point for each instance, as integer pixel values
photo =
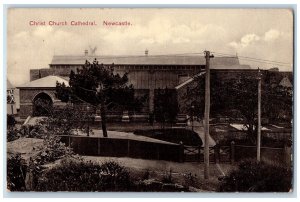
(131, 3)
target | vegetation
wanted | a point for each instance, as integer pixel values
(252, 176)
(11, 121)
(165, 106)
(16, 171)
(237, 98)
(83, 176)
(98, 85)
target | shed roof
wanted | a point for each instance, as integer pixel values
(45, 82)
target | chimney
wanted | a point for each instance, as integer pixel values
(86, 52)
(146, 52)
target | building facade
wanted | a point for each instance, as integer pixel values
(146, 73)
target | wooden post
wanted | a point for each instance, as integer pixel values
(206, 115)
(181, 152)
(217, 153)
(259, 117)
(232, 150)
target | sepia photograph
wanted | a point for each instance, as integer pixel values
(150, 100)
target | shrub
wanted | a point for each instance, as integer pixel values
(52, 150)
(252, 176)
(12, 134)
(167, 177)
(83, 176)
(11, 121)
(16, 171)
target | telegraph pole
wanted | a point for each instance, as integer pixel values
(206, 115)
(259, 116)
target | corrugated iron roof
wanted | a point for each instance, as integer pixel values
(144, 60)
(45, 82)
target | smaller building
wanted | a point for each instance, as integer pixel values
(40, 90)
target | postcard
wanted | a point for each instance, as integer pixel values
(150, 100)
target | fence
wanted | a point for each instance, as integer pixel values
(277, 155)
(236, 153)
(100, 146)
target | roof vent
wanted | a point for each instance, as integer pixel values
(146, 52)
(86, 52)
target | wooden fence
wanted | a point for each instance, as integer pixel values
(99, 146)
(236, 153)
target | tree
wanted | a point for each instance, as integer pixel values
(237, 98)
(98, 85)
(165, 105)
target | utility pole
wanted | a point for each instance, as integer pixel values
(206, 115)
(259, 116)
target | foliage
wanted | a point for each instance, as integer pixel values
(11, 121)
(52, 150)
(238, 97)
(252, 176)
(28, 131)
(12, 134)
(167, 177)
(73, 175)
(32, 131)
(190, 180)
(16, 171)
(165, 105)
(98, 85)
(67, 120)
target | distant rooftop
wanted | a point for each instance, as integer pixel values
(45, 82)
(217, 62)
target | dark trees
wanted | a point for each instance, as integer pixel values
(237, 98)
(98, 85)
(165, 105)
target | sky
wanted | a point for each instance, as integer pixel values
(257, 33)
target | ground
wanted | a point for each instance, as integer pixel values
(138, 167)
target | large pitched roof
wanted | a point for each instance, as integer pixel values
(147, 60)
(45, 82)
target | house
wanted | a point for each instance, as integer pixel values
(42, 89)
(11, 98)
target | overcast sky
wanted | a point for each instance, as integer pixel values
(256, 33)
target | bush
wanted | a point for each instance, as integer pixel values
(11, 121)
(83, 176)
(12, 134)
(16, 171)
(52, 150)
(258, 177)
